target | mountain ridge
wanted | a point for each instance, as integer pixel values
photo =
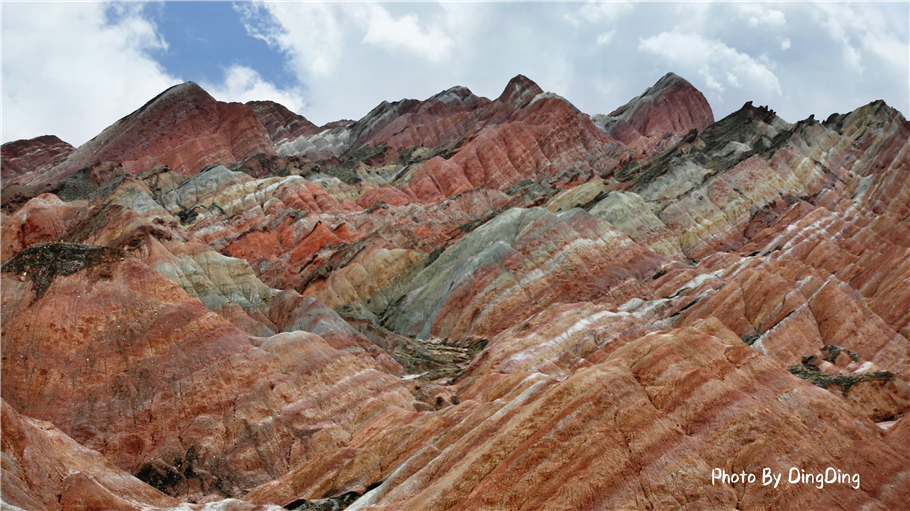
(458, 303)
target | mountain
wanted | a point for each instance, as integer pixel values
(660, 117)
(458, 303)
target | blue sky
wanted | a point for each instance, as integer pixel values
(71, 69)
(203, 50)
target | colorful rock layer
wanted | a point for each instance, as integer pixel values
(458, 303)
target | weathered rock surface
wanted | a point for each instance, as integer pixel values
(547, 141)
(660, 117)
(59, 473)
(123, 361)
(183, 128)
(649, 420)
(523, 260)
(280, 123)
(464, 303)
(23, 156)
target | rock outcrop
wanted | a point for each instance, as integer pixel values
(660, 117)
(280, 123)
(59, 473)
(183, 128)
(24, 156)
(126, 363)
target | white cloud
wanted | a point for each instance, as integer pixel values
(594, 12)
(760, 15)
(71, 69)
(863, 32)
(309, 33)
(312, 34)
(852, 56)
(349, 57)
(848, 23)
(404, 33)
(606, 37)
(710, 58)
(242, 84)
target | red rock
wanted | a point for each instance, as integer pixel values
(24, 156)
(59, 474)
(183, 128)
(42, 219)
(280, 123)
(660, 117)
(898, 435)
(609, 356)
(201, 381)
(545, 141)
(438, 121)
(386, 195)
(519, 92)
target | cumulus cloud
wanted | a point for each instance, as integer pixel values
(761, 15)
(711, 58)
(309, 33)
(862, 32)
(856, 29)
(73, 69)
(785, 44)
(242, 84)
(890, 49)
(404, 33)
(312, 34)
(594, 12)
(348, 57)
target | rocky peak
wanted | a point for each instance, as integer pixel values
(746, 125)
(873, 113)
(520, 91)
(455, 96)
(183, 127)
(660, 116)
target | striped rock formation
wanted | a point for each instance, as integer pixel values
(460, 303)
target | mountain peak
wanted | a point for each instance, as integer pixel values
(161, 132)
(455, 95)
(520, 91)
(661, 115)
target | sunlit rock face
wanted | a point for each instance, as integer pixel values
(459, 303)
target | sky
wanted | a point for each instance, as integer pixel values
(73, 68)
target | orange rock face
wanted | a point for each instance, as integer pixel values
(133, 367)
(59, 473)
(459, 304)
